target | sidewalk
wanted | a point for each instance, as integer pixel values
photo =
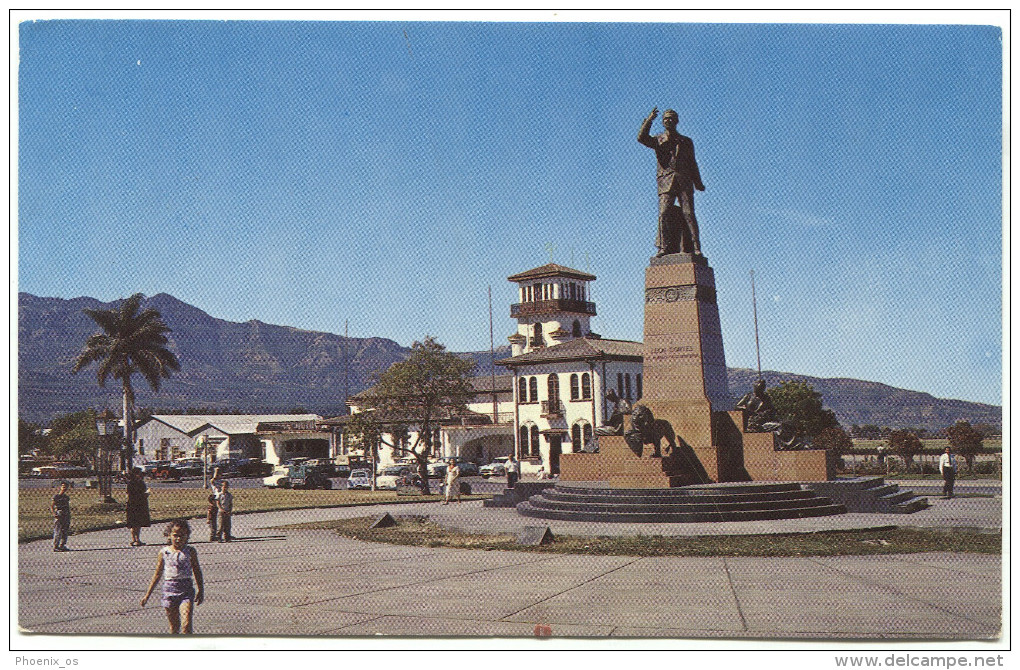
(278, 581)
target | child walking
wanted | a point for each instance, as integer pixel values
(61, 508)
(225, 501)
(210, 517)
(178, 563)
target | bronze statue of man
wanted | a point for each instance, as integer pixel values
(678, 176)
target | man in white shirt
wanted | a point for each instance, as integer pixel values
(511, 472)
(947, 466)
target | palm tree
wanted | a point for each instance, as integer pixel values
(131, 342)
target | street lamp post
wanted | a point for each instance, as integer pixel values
(201, 444)
(106, 426)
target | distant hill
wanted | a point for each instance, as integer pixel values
(260, 367)
(860, 402)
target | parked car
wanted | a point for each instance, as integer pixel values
(343, 471)
(359, 479)
(280, 477)
(168, 473)
(468, 469)
(327, 466)
(254, 467)
(150, 468)
(189, 467)
(437, 470)
(390, 477)
(309, 476)
(495, 469)
(228, 467)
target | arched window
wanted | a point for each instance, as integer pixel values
(626, 379)
(522, 439)
(575, 438)
(533, 387)
(553, 387)
(534, 441)
(577, 328)
(522, 389)
(586, 386)
(575, 389)
(538, 336)
(586, 434)
(640, 391)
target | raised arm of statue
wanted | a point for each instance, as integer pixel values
(644, 135)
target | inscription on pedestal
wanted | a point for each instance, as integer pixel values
(671, 354)
(704, 294)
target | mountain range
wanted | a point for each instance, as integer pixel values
(258, 367)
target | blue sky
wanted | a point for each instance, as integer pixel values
(386, 173)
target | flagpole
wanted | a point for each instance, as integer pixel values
(754, 303)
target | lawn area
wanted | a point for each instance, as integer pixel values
(87, 512)
(419, 531)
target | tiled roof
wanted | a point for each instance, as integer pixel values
(577, 350)
(231, 424)
(483, 383)
(551, 270)
(480, 384)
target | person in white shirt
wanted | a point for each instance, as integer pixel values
(511, 472)
(947, 466)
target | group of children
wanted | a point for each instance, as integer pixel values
(221, 508)
(177, 562)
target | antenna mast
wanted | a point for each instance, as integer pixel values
(492, 362)
(343, 353)
(754, 303)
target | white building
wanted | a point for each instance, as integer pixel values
(554, 397)
(561, 369)
(480, 433)
(271, 437)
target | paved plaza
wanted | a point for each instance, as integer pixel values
(278, 581)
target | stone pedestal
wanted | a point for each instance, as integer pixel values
(617, 464)
(685, 384)
(684, 364)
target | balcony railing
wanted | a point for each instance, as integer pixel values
(546, 306)
(552, 409)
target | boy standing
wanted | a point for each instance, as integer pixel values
(61, 508)
(225, 502)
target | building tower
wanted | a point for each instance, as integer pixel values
(553, 308)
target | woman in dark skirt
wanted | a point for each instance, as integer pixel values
(137, 506)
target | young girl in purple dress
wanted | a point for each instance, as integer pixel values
(178, 564)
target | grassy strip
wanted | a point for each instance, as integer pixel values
(35, 522)
(420, 532)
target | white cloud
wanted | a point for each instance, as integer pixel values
(799, 218)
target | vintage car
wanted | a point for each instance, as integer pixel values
(309, 476)
(390, 477)
(359, 479)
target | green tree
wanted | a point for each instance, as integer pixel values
(29, 438)
(430, 387)
(965, 441)
(131, 342)
(798, 404)
(906, 444)
(834, 438)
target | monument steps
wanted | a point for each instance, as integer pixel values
(692, 504)
(871, 494)
(637, 498)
